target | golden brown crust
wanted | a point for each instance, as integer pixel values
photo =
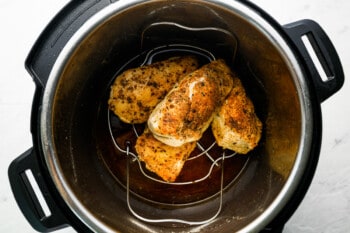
(136, 92)
(164, 160)
(235, 124)
(187, 110)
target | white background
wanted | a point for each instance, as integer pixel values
(326, 207)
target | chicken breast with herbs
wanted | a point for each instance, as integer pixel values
(235, 125)
(136, 92)
(187, 110)
(166, 161)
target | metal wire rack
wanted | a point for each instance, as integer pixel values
(205, 150)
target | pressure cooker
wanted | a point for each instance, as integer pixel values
(91, 181)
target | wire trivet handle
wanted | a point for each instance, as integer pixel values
(172, 220)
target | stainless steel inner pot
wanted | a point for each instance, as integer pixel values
(80, 79)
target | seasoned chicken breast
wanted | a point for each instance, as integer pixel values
(187, 110)
(235, 125)
(166, 161)
(136, 92)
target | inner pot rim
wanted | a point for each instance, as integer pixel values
(104, 15)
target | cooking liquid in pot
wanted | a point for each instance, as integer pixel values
(186, 191)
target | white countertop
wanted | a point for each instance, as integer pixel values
(326, 207)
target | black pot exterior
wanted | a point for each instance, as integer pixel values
(40, 64)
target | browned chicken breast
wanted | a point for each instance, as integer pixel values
(136, 92)
(166, 161)
(187, 110)
(235, 125)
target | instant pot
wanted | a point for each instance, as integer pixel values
(75, 159)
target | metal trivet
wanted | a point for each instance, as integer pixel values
(229, 39)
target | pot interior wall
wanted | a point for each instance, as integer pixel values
(80, 102)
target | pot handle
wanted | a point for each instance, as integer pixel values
(41, 219)
(307, 32)
(57, 33)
